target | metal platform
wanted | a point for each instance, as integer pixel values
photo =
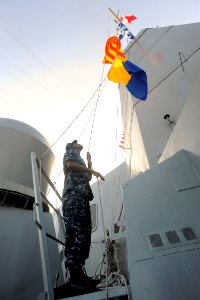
(110, 293)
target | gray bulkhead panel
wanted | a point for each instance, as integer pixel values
(21, 269)
(162, 208)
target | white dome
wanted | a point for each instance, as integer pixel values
(17, 141)
(21, 126)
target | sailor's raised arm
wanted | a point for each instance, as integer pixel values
(72, 165)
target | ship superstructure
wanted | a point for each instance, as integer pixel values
(148, 207)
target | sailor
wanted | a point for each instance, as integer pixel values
(76, 212)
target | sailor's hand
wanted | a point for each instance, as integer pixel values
(89, 157)
(98, 175)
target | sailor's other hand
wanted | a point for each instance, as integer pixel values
(89, 157)
(98, 175)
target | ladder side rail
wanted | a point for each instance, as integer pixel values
(48, 180)
(50, 204)
(60, 217)
(46, 269)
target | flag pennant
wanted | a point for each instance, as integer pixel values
(125, 72)
(122, 31)
(118, 73)
(113, 49)
(122, 142)
(127, 19)
(137, 84)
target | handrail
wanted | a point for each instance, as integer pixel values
(39, 218)
(50, 204)
(48, 179)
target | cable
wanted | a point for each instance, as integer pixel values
(87, 122)
(153, 44)
(171, 72)
(112, 265)
(114, 201)
(157, 84)
(25, 73)
(106, 256)
(113, 277)
(104, 231)
(31, 53)
(98, 97)
(72, 121)
(16, 77)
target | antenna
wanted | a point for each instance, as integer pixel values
(171, 122)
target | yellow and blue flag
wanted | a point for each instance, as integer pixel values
(126, 72)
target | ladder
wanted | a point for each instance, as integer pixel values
(40, 198)
(48, 293)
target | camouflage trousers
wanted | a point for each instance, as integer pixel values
(77, 218)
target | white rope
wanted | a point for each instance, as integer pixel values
(105, 239)
(74, 119)
(113, 278)
(98, 97)
(112, 275)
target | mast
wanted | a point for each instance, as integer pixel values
(114, 15)
(125, 29)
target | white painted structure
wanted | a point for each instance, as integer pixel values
(159, 207)
(162, 195)
(163, 202)
(18, 140)
(163, 230)
(20, 263)
(171, 58)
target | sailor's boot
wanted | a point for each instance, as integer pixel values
(77, 279)
(90, 280)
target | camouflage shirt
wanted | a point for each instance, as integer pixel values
(78, 181)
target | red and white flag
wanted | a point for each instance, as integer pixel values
(127, 19)
(122, 142)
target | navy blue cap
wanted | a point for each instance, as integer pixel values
(69, 145)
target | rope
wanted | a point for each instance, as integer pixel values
(98, 97)
(112, 275)
(87, 122)
(105, 238)
(72, 121)
(162, 80)
(114, 202)
(83, 128)
(117, 197)
(100, 202)
(31, 53)
(130, 159)
(92, 111)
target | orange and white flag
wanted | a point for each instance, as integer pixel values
(122, 142)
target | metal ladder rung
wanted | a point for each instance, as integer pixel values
(40, 226)
(55, 239)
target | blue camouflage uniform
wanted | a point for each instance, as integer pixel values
(76, 212)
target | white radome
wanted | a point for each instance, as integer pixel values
(17, 141)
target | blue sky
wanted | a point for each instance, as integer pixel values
(51, 53)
